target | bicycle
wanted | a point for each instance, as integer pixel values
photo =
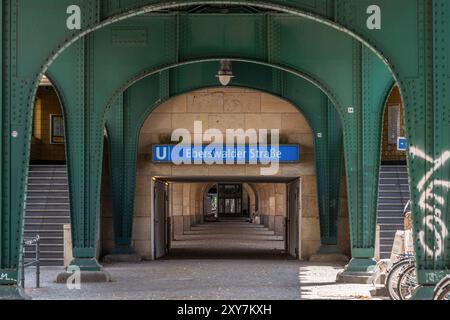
(393, 277)
(407, 283)
(442, 290)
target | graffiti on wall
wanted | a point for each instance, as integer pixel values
(431, 204)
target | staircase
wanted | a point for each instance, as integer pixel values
(47, 210)
(392, 198)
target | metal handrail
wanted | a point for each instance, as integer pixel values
(36, 261)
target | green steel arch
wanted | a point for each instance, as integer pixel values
(342, 81)
(419, 60)
(128, 114)
(85, 185)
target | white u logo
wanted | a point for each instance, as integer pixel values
(158, 153)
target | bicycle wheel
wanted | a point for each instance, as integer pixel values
(444, 294)
(393, 277)
(442, 291)
(407, 283)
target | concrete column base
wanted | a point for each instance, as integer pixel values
(359, 270)
(13, 292)
(329, 253)
(84, 277)
(423, 293)
(85, 264)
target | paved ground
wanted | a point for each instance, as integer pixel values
(228, 239)
(231, 261)
(207, 279)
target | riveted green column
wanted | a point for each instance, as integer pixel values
(84, 124)
(362, 138)
(329, 156)
(123, 122)
(427, 114)
(84, 127)
(122, 167)
(15, 123)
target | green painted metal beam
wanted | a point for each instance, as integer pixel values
(362, 140)
(427, 123)
(329, 157)
(413, 41)
(84, 125)
(118, 56)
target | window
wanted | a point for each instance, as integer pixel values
(56, 129)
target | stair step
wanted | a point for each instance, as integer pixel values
(393, 199)
(393, 194)
(47, 220)
(387, 168)
(41, 213)
(230, 231)
(46, 255)
(48, 193)
(47, 206)
(47, 201)
(47, 210)
(48, 187)
(394, 174)
(47, 174)
(45, 246)
(50, 239)
(391, 206)
(226, 237)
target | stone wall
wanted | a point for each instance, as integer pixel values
(273, 206)
(225, 108)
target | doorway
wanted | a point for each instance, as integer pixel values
(294, 215)
(162, 240)
(230, 200)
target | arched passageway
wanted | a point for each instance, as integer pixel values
(224, 108)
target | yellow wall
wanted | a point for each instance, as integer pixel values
(389, 151)
(47, 103)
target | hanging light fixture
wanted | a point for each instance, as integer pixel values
(225, 73)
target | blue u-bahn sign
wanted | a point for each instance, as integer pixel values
(225, 154)
(402, 144)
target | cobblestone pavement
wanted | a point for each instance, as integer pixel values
(229, 279)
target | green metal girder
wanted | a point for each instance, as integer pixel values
(125, 119)
(428, 127)
(362, 140)
(84, 143)
(118, 56)
(329, 156)
(413, 41)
